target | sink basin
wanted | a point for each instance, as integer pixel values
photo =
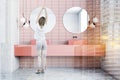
(77, 42)
(33, 42)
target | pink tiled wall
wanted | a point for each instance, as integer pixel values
(86, 62)
(59, 35)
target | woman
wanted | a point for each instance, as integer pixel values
(41, 41)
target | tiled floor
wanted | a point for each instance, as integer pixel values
(57, 74)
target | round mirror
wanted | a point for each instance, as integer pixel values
(75, 20)
(51, 19)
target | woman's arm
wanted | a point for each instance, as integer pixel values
(39, 15)
(46, 15)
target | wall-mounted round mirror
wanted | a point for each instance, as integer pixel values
(75, 20)
(51, 19)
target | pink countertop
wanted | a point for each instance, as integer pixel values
(62, 50)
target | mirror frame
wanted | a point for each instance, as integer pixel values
(50, 23)
(68, 28)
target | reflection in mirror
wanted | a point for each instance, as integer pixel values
(75, 20)
(51, 19)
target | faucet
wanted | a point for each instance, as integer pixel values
(74, 37)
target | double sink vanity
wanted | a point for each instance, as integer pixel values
(73, 48)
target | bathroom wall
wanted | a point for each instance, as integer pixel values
(3, 35)
(2, 24)
(13, 31)
(110, 33)
(59, 35)
(66, 61)
(8, 62)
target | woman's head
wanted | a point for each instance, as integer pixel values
(42, 21)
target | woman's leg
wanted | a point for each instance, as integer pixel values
(39, 62)
(43, 59)
(39, 59)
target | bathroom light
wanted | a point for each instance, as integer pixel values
(95, 19)
(26, 25)
(22, 20)
(25, 18)
(92, 25)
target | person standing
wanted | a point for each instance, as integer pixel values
(41, 44)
